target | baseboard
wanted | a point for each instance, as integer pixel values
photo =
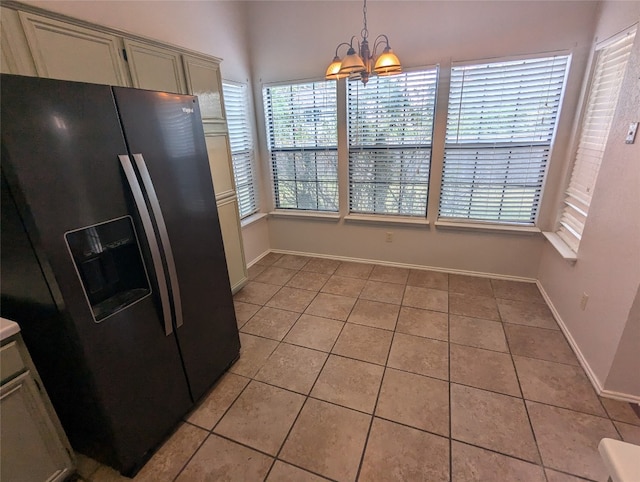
(597, 385)
(574, 346)
(403, 265)
(251, 263)
(623, 397)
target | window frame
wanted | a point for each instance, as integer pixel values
(249, 163)
(272, 151)
(431, 72)
(497, 224)
(568, 243)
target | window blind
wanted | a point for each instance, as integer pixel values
(603, 95)
(390, 130)
(241, 141)
(301, 122)
(501, 121)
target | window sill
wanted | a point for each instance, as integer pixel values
(493, 228)
(561, 247)
(381, 219)
(311, 215)
(252, 219)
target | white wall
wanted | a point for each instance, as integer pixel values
(217, 28)
(608, 266)
(297, 40)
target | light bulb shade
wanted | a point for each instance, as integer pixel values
(352, 63)
(333, 71)
(389, 72)
(387, 63)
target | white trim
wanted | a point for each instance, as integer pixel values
(507, 228)
(294, 213)
(604, 43)
(278, 83)
(593, 378)
(512, 58)
(382, 219)
(623, 397)
(561, 247)
(478, 274)
(251, 263)
(252, 218)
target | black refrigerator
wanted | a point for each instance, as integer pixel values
(112, 259)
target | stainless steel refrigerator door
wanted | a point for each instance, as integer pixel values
(166, 130)
(60, 148)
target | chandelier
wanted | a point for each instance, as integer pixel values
(358, 65)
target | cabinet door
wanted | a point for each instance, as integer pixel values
(155, 68)
(232, 239)
(220, 165)
(15, 55)
(203, 80)
(69, 52)
(30, 448)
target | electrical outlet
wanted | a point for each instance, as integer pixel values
(631, 133)
(389, 237)
(583, 301)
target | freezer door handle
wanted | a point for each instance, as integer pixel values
(147, 225)
(164, 236)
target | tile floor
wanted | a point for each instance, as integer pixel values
(364, 372)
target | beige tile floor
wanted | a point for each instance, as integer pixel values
(363, 372)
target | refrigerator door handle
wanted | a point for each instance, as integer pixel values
(164, 236)
(147, 225)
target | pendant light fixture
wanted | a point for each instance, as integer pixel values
(358, 65)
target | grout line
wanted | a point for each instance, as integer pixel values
(375, 405)
(373, 416)
(192, 455)
(307, 397)
(449, 386)
(526, 409)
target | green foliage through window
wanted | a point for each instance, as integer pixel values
(301, 122)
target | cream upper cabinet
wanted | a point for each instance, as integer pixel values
(70, 52)
(232, 240)
(14, 50)
(155, 68)
(203, 80)
(220, 165)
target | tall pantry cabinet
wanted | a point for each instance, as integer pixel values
(39, 43)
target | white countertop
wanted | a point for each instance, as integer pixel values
(621, 458)
(8, 328)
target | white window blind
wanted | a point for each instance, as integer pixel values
(500, 126)
(610, 65)
(241, 140)
(390, 132)
(301, 121)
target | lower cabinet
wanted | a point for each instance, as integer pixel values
(33, 446)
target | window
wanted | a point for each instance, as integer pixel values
(390, 132)
(301, 122)
(241, 140)
(501, 122)
(610, 64)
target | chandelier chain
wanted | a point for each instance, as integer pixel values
(362, 60)
(365, 32)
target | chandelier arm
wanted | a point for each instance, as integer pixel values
(340, 45)
(379, 39)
